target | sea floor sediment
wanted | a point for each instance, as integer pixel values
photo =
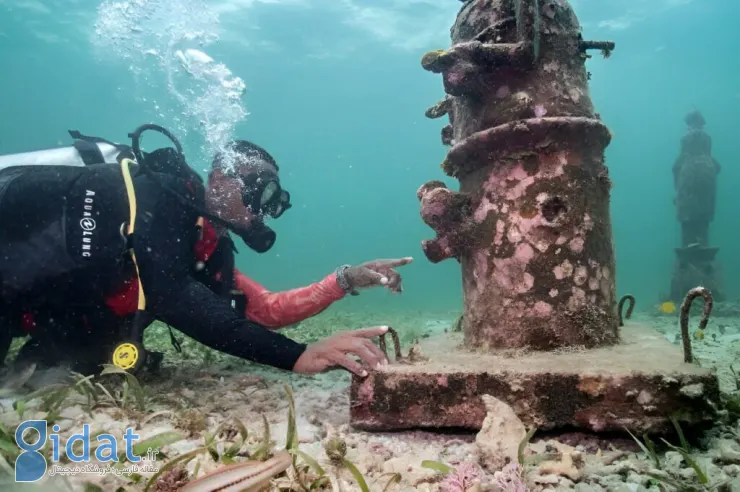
(199, 391)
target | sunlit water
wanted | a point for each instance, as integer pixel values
(335, 91)
(163, 43)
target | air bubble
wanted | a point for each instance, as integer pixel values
(163, 42)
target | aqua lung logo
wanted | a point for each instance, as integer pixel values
(87, 224)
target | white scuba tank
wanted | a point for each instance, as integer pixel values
(102, 153)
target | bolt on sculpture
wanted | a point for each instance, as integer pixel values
(695, 180)
(531, 229)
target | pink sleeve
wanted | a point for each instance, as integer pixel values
(278, 309)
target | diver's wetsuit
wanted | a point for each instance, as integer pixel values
(61, 247)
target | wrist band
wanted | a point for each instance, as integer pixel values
(343, 282)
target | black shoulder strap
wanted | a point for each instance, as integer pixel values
(238, 298)
(227, 270)
(79, 136)
(87, 143)
(240, 304)
(168, 161)
(89, 152)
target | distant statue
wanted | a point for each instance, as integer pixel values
(695, 180)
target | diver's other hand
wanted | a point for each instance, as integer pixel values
(377, 272)
(336, 350)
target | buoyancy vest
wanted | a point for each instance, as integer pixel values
(213, 265)
(89, 151)
(86, 151)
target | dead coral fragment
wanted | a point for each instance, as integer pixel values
(500, 436)
(565, 467)
(461, 479)
(415, 354)
(191, 421)
(335, 449)
(511, 478)
(171, 480)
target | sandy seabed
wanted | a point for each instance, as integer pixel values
(199, 391)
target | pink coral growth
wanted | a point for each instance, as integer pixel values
(510, 479)
(461, 478)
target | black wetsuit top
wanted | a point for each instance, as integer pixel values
(61, 247)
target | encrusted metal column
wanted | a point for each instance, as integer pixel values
(531, 229)
(531, 224)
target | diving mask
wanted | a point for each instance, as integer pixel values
(262, 194)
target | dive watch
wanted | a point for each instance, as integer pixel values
(343, 282)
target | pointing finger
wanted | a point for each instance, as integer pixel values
(391, 263)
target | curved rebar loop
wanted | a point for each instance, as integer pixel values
(396, 344)
(628, 315)
(685, 307)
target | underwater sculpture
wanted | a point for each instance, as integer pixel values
(530, 225)
(695, 180)
(531, 229)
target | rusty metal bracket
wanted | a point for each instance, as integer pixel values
(396, 344)
(630, 308)
(688, 356)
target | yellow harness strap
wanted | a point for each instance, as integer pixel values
(126, 171)
(128, 181)
(126, 355)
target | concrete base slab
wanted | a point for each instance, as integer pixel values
(638, 385)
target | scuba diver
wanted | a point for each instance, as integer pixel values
(123, 237)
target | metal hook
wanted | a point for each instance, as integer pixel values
(396, 344)
(684, 318)
(631, 299)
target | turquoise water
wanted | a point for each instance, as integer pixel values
(334, 89)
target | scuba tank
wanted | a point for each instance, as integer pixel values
(85, 151)
(88, 151)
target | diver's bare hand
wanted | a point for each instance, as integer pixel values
(377, 272)
(336, 350)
